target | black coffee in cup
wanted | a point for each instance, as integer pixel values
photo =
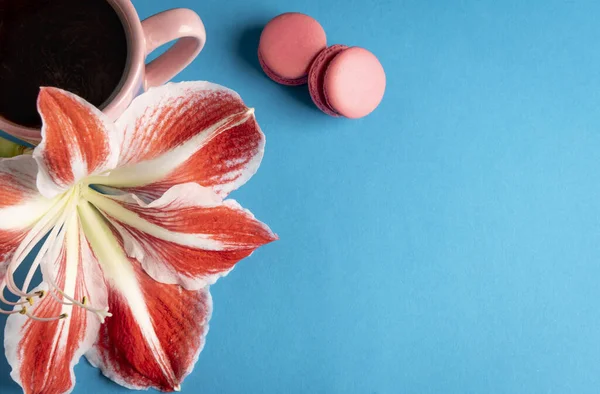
(76, 45)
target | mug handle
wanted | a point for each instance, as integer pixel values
(179, 24)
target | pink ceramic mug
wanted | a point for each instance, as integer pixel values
(143, 37)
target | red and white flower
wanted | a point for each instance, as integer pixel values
(137, 228)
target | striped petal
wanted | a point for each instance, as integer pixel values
(166, 325)
(21, 207)
(187, 237)
(42, 354)
(187, 132)
(77, 141)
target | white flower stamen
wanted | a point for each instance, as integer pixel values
(4, 312)
(54, 221)
(43, 226)
(45, 319)
(5, 301)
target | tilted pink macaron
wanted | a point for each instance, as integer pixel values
(347, 82)
(288, 45)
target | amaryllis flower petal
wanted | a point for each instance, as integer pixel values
(188, 132)
(77, 141)
(157, 331)
(44, 343)
(163, 341)
(21, 206)
(188, 236)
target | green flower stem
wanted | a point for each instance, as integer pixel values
(12, 149)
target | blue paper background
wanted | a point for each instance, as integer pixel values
(449, 242)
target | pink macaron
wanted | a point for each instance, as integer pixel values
(288, 45)
(347, 82)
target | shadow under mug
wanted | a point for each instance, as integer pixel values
(143, 37)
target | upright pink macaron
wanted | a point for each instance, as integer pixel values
(288, 45)
(347, 82)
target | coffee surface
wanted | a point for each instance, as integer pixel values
(76, 45)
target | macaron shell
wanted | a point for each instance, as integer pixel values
(316, 77)
(354, 83)
(277, 78)
(289, 43)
